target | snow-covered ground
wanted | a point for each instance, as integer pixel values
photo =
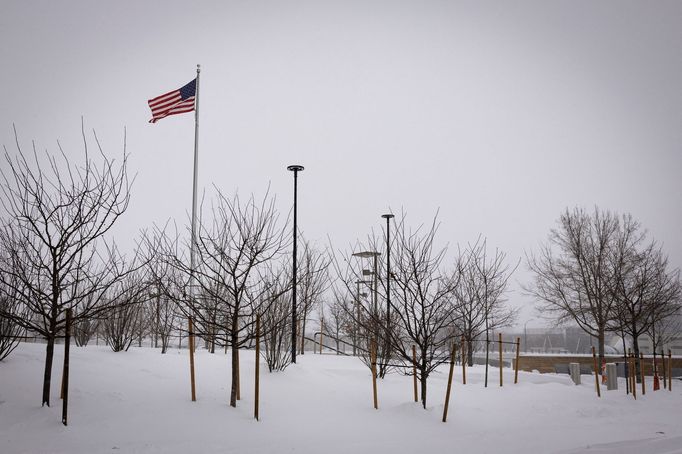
(139, 402)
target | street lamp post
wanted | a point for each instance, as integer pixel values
(388, 273)
(374, 310)
(294, 168)
(373, 255)
(357, 315)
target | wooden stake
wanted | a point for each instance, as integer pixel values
(633, 374)
(414, 372)
(464, 360)
(499, 343)
(191, 359)
(447, 392)
(634, 378)
(670, 370)
(664, 368)
(657, 383)
(321, 330)
(257, 384)
(641, 372)
(373, 361)
(596, 372)
(516, 369)
(65, 376)
(629, 374)
(630, 371)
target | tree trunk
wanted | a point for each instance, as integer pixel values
(635, 347)
(470, 352)
(235, 360)
(47, 378)
(601, 352)
(213, 331)
(487, 352)
(214, 316)
(625, 362)
(235, 372)
(158, 320)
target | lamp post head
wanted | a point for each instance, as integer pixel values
(295, 168)
(366, 254)
(388, 216)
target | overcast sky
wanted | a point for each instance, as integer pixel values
(500, 114)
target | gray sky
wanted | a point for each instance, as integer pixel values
(501, 114)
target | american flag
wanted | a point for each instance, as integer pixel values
(174, 102)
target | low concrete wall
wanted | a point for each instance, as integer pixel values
(545, 363)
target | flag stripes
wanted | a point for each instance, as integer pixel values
(174, 102)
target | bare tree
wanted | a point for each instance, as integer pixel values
(276, 318)
(313, 281)
(479, 308)
(58, 215)
(277, 333)
(84, 329)
(643, 287)
(573, 272)
(422, 301)
(365, 317)
(361, 284)
(665, 330)
(337, 322)
(232, 253)
(162, 314)
(162, 279)
(121, 323)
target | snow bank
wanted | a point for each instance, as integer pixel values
(139, 402)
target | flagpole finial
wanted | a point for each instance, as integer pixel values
(198, 68)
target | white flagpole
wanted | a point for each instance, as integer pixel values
(192, 249)
(194, 183)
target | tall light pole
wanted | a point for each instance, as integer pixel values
(294, 168)
(388, 218)
(388, 340)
